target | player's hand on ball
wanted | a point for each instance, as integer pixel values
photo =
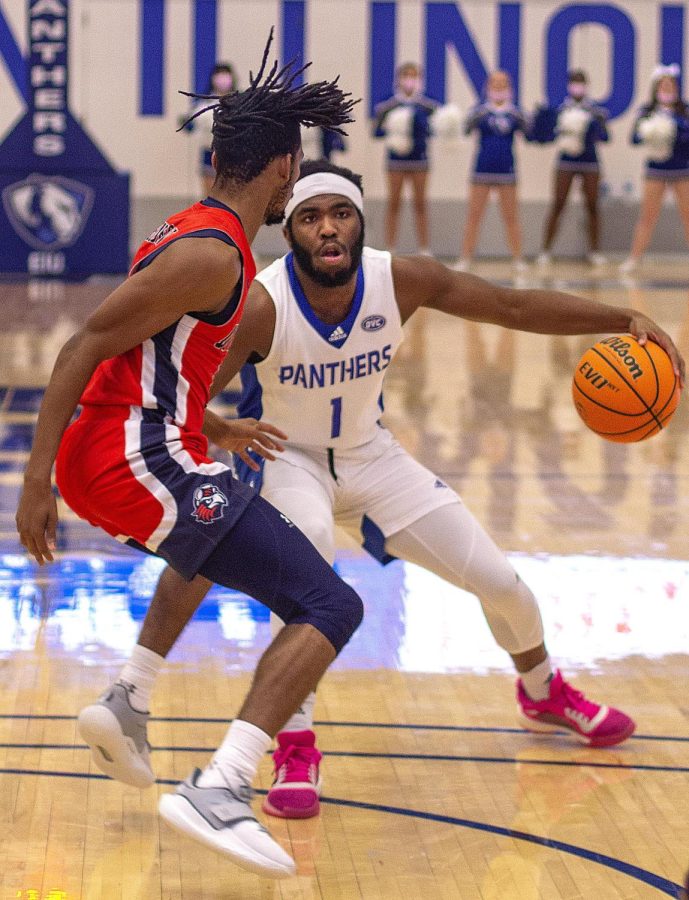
(242, 436)
(37, 520)
(645, 329)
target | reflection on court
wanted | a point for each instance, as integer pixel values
(594, 609)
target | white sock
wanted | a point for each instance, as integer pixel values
(139, 674)
(302, 720)
(238, 757)
(537, 681)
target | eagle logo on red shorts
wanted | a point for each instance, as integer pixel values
(209, 502)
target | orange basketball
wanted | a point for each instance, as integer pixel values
(624, 391)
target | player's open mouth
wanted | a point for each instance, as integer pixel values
(331, 254)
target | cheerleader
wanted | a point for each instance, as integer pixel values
(662, 127)
(321, 143)
(223, 80)
(404, 123)
(576, 126)
(496, 121)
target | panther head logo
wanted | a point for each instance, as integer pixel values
(48, 212)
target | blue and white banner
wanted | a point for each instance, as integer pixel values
(65, 210)
(131, 57)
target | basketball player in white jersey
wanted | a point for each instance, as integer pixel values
(321, 326)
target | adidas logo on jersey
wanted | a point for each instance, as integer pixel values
(439, 483)
(338, 335)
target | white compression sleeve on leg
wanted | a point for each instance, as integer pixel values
(452, 544)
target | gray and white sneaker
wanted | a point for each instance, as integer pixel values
(116, 734)
(222, 819)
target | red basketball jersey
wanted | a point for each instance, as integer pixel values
(172, 371)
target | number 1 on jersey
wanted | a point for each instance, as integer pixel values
(336, 418)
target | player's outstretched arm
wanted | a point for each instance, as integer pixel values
(139, 308)
(420, 281)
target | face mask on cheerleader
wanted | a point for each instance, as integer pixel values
(576, 90)
(666, 98)
(499, 97)
(410, 85)
(222, 82)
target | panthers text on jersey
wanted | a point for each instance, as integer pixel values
(322, 384)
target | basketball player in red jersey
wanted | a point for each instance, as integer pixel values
(135, 462)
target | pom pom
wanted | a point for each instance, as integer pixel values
(311, 143)
(658, 132)
(574, 120)
(446, 121)
(572, 125)
(398, 126)
(570, 144)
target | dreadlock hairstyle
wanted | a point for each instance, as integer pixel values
(252, 127)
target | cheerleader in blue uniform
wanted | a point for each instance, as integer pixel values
(403, 121)
(577, 126)
(662, 127)
(223, 80)
(496, 122)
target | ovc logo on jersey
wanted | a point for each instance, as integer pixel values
(209, 502)
(373, 323)
(48, 212)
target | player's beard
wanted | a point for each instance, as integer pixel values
(275, 214)
(275, 218)
(329, 279)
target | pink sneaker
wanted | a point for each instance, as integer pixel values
(597, 726)
(297, 785)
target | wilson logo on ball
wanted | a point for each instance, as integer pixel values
(621, 348)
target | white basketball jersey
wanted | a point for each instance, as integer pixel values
(322, 384)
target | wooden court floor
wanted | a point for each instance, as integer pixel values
(431, 789)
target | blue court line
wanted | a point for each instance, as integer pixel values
(419, 757)
(657, 881)
(670, 888)
(469, 729)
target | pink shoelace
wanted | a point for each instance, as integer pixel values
(576, 700)
(297, 760)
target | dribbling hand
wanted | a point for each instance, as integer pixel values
(645, 329)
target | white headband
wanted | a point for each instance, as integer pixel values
(662, 71)
(324, 183)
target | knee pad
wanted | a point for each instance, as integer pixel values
(352, 610)
(336, 612)
(343, 614)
